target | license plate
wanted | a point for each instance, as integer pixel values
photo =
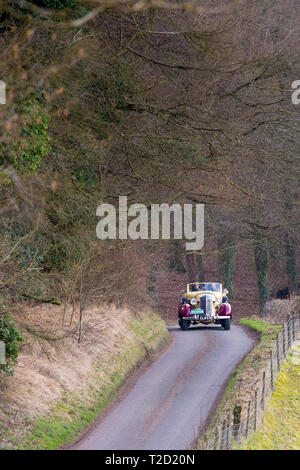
(198, 311)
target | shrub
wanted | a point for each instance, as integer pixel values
(12, 338)
(56, 4)
(37, 139)
(33, 141)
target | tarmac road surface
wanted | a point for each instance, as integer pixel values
(171, 400)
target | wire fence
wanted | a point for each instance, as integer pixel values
(244, 420)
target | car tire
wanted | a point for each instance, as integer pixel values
(184, 324)
(227, 324)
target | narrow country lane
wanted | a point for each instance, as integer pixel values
(172, 399)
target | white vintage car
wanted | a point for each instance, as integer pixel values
(204, 302)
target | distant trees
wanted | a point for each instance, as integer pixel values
(158, 106)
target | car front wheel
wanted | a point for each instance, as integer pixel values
(184, 324)
(226, 324)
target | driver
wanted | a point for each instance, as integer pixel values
(196, 286)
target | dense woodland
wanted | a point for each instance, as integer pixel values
(161, 102)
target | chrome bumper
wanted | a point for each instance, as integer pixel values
(204, 318)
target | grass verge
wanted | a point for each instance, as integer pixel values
(75, 411)
(245, 379)
(281, 427)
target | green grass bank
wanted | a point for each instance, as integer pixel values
(145, 337)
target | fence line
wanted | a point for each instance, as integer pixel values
(244, 421)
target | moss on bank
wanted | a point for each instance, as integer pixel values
(245, 378)
(69, 417)
(281, 427)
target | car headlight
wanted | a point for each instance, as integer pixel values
(217, 302)
(193, 301)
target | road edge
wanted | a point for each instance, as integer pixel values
(263, 342)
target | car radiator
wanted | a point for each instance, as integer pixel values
(206, 304)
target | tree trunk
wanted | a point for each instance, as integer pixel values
(194, 267)
(261, 265)
(225, 259)
(291, 264)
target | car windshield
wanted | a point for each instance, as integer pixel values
(205, 286)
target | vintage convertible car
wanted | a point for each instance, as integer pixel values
(202, 303)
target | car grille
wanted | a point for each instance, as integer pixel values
(206, 304)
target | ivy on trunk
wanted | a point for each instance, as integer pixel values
(261, 267)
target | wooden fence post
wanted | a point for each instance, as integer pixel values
(255, 411)
(248, 419)
(293, 327)
(289, 336)
(263, 393)
(283, 341)
(217, 437)
(228, 434)
(237, 412)
(278, 352)
(223, 435)
(272, 370)
(241, 434)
